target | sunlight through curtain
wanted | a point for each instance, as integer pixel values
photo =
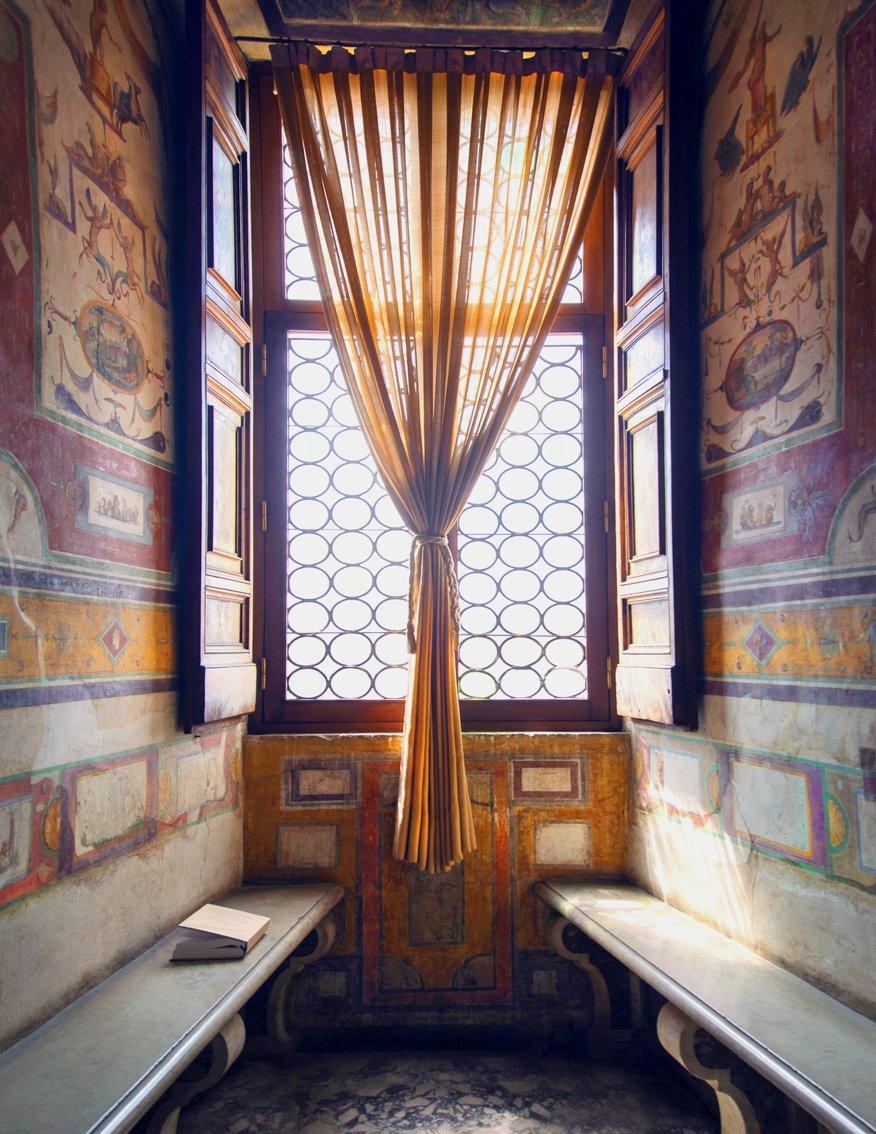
(444, 196)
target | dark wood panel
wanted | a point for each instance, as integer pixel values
(220, 675)
(655, 391)
(645, 445)
(224, 198)
(642, 356)
(645, 74)
(224, 431)
(647, 623)
(644, 219)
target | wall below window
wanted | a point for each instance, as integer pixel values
(764, 821)
(113, 824)
(468, 943)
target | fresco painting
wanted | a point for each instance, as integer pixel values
(106, 361)
(772, 373)
(470, 941)
(771, 795)
(93, 769)
(86, 445)
(572, 15)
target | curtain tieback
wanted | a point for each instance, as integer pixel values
(440, 541)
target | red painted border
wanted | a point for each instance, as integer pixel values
(372, 900)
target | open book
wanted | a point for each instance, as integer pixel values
(217, 933)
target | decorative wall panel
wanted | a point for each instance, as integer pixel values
(772, 799)
(95, 778)
(469, 942)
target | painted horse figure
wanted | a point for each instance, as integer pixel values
(126, 107)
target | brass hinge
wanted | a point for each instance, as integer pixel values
(605, 362)
(264, 359)
(605, 516)
(264, 514)
(263, 682)
(607, 672)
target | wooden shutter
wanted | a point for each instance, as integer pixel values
(655, 374)
(220, 675)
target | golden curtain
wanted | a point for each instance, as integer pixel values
(444, 196)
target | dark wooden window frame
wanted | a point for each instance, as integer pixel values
(219, 674)
(274, 316)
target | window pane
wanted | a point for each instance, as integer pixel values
(300, 277)
(521, 545)
(348, 551)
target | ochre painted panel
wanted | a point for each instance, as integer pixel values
(471, 940)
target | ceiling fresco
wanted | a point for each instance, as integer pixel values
(450, 18)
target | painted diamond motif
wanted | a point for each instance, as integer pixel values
(860, 235)
(115, 639)
(761, 643)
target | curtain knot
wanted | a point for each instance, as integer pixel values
(430, 539)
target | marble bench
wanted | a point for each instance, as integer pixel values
(816, 1051)
(133, 1040)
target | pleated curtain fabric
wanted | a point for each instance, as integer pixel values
(444, 196)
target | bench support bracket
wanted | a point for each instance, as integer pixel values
(279, 1036)
(604, 1041)
(222, 1052)
(677, 1033)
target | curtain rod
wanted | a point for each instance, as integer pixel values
(621, 51)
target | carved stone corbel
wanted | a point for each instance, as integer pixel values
(677, 1033)
(223, 1051)
(604, 1040)
(279, 1036)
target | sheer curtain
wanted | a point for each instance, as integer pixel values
(444, 196)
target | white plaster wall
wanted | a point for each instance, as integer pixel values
(64, 938)
(821, 929)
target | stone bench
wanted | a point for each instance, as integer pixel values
(816, 1051)
(131, 1042)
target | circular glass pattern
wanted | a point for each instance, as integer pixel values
(306, 683)
(308, 549)
(308, 481)
(348, 551)
(521, 544)
(300, 275)
(307, 447)
(307, 650)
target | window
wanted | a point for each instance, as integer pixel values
(530, 545)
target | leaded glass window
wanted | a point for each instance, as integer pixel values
(529, 547)
(520, 544)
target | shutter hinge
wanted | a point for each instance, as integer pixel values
(607, 672)
(263, 681)
(605, 362)
(605, 524)
(264, 359)
(264, 515)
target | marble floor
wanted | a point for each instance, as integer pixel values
(438, 1092)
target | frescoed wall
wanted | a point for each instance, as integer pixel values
(462, 949)
(96, 782)
(764, 821)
